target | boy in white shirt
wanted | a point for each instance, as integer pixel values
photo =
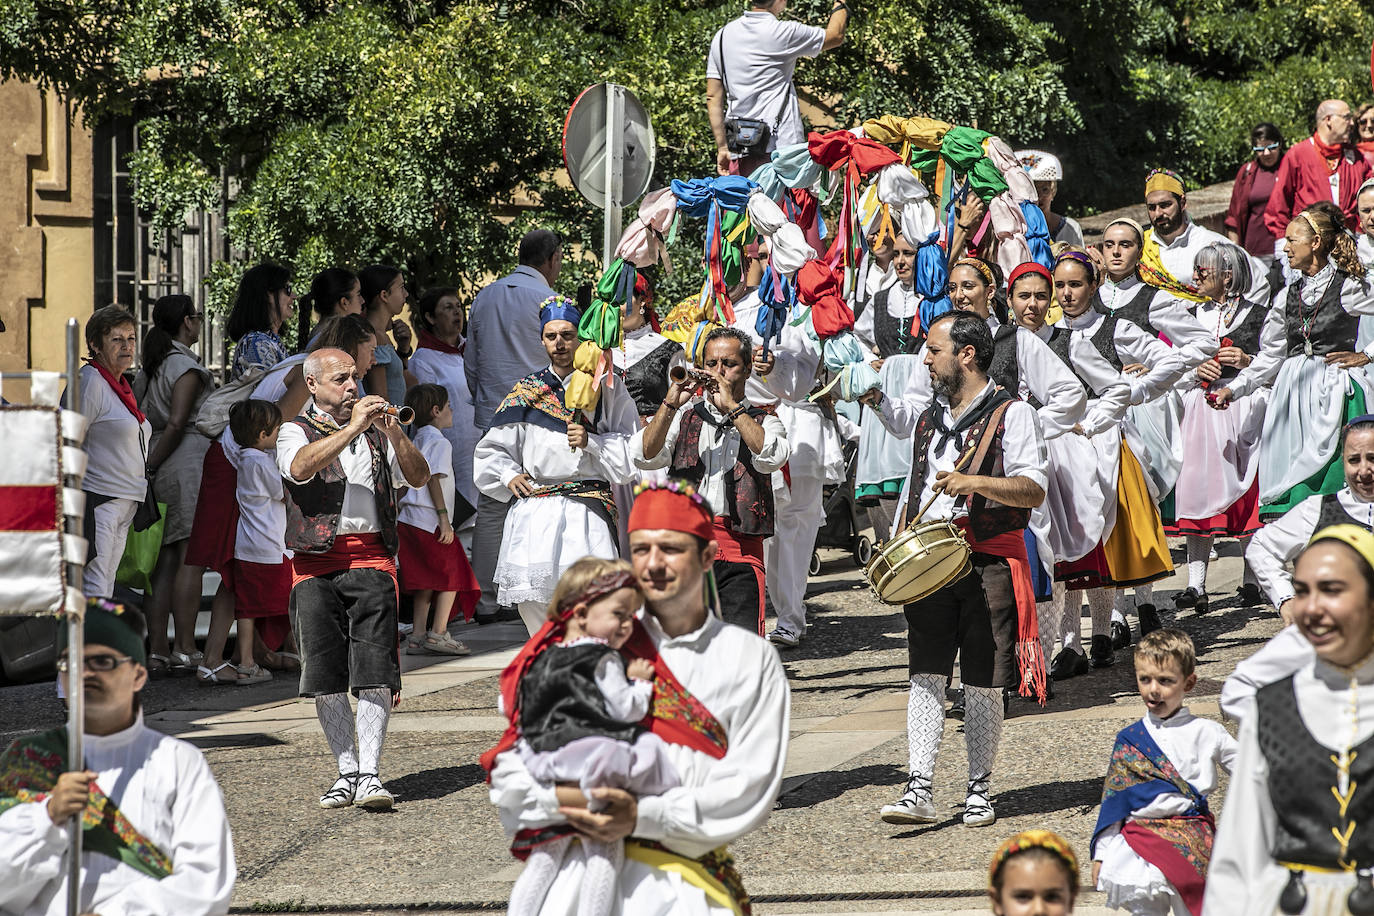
(434, 570)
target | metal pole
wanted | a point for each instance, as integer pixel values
(76, 705)
(615, 172)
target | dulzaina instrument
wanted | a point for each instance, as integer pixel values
(922, 559)
(403, 414)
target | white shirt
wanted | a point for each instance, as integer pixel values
(272, 385)
(1364, 250)
(116, 442)
(720, 449)
(736, 675)
(1178, 257)
(1133, 345)
(1023, 452)
(167, 791)
(1280, 541)
(416, 507)
(1357, 298)
(512, 449)
(1195, 342)
(261, 535)
(1281, 656)
(448, 369)
(755, 56)
(1069, 231)
(1040, 373)
(359, 512)
(1243, 876)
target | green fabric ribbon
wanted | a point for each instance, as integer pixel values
(601, 323)
(963, 146)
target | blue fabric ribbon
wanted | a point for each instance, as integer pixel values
(777, 298)
(696, 197)
(1037, 235)
(769, 182)
(795, 167)
(932, 279)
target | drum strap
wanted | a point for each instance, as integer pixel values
(975, 452)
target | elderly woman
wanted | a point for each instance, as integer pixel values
(1250, 193)
(1306, 848)
(116, 445)
(1218, 486)
(1307, 355)
(170, 389)
(440, 320)
(1364, 132)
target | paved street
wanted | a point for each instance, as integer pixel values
(823, 851)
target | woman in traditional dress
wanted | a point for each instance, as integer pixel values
(1307, 354)
(1218, 488)
(884, 461)
(1295, 836)
(170, 390)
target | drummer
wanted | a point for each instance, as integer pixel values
(987, 617)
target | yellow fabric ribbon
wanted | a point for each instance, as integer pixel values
(690, 870)
(927, 133)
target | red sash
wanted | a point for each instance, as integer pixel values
(1030, 655)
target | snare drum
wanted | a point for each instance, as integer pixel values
(920, 561)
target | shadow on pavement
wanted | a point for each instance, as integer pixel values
(436, 783)
(833, 784)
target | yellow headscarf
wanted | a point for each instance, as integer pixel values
(1035, 839)
(1164, 180)
(1352, 536)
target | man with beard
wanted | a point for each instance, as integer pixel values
(344, 458)
(988, 616)
(721, 706)
(156, 840)
(1278, 544)
(1169, 246)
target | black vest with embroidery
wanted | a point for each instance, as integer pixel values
(748, 491)
(1303, 786)
(647, 380)
(1136, 310)
(987, 518)
(560, 702)
(1006, 367)
(1103, 340)
(1333, 513)
(1330, 328)
(313, 507)
(1245, 338)
(892, 335)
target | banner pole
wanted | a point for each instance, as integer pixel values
(76, 704)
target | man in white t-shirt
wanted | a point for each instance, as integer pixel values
(749, 75)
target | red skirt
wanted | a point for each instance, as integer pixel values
(427, 565)
(1090, 571)
(261, 589)
(216, 522)
(1239, 520)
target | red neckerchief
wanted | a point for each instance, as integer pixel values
(1331, 154)
(1365, 146)
(120, 386)
(429, 342)
(677, 717)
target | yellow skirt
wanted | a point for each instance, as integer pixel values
(1136, 550)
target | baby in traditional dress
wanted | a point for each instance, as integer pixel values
(580, 713)
(1153, 838)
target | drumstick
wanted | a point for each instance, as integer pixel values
(959, 466)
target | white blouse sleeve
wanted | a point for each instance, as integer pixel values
(612, 449)
(1054, 386)
(665, 455)
(1264, 368)
(1112, 390)
(744, 783)
(1245, 835)
(1194, 343)
(776, 449)
(899, 413)
(1166, 364)
(626, 700)
(496, 460)
(524, 802)
(32, 854)
(1279, 542)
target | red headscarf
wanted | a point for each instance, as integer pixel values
(1029, 267)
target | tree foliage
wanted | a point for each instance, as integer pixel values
(419, 132)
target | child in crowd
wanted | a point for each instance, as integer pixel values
(1154, 833)
(580, 708)
(1034, 872)
(434, 570)
(261, 571)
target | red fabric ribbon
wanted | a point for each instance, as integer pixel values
(1161, 841)
(1030, 655)
(819, 287)
(428, 341)
(857, 156)
(120, 386)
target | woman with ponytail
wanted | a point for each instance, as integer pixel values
(170, 390)
(334, 291)
(1308, 357)
(384, 296)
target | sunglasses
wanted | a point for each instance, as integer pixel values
(1366, 122)
(1264, 149)
(102, 662)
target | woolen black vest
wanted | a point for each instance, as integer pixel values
(892, 335)
(748, 491)
(1330, 327)
(313, 507)
(647, 380)
(560, 702)
(1137, 309)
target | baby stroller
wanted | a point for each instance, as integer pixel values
(842, 519)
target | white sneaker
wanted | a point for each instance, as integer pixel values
(781, 636)
(978, 805)
(371, 795)
(916, 806)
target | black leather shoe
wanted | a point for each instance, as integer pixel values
(1121, 634)
(1068, 663)
(1102, 654)
(1149, 619)
(1201, 606)
(1250, 595)
(956, 706)
(1186, 599)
